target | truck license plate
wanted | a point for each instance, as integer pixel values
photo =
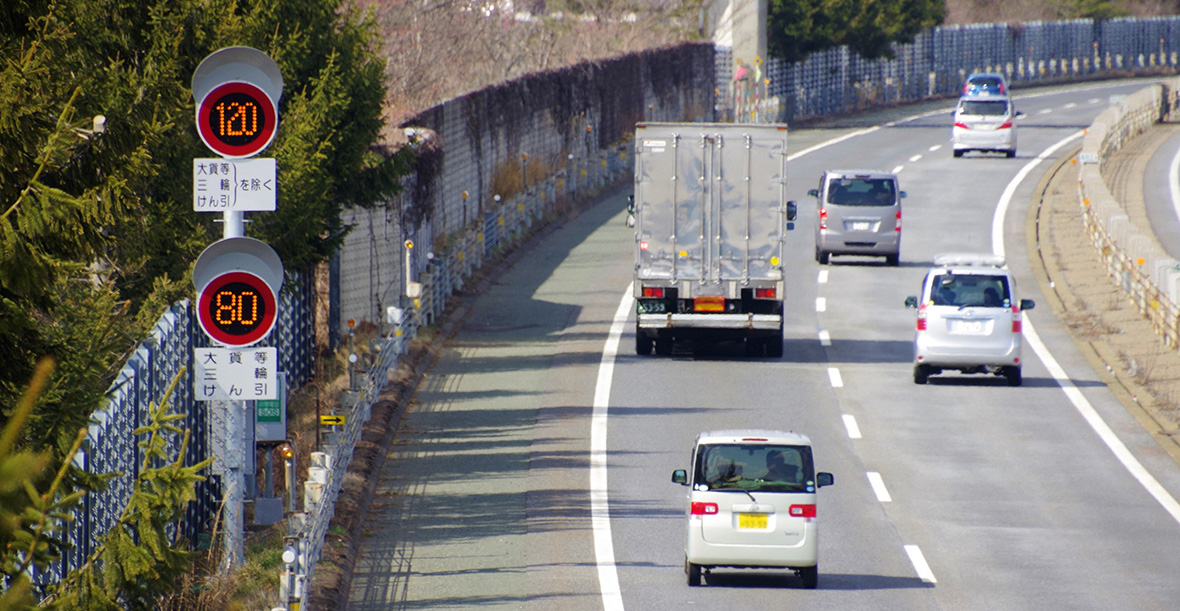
(753, 520)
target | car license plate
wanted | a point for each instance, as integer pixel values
(860, 226)
(973, 327)
(753, 520)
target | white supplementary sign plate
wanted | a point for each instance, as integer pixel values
(236, 185)
(235, 374)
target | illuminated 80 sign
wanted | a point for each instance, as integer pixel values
(237, 308)
(237, 120)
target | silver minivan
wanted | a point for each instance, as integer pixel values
(858, 213)
(969, 318)
(752, 503)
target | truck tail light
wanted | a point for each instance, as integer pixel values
(823, 218)
(802, 511)
(704, 509)
(922, 318)
(653, 291)
(765, 293)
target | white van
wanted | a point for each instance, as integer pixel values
(858, 213)
(752, 503)
(985, 124)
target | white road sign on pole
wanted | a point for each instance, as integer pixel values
(226, 185)
(235, 374)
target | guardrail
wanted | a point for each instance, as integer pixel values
(1132, 256)
(502, 228)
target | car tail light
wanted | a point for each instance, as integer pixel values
(823, 218)
(704, 509)
(754, 439)
(961, 125)
(643, 245)
(897, 227)
(802, 511)
(708, 304)
(1006, 125)
(653, 291)
(922, 318)
(1016, 325)
(765, 293)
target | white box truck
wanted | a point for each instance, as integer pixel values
(711, 218)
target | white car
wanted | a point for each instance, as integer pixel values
(969, 318)
(985, 124)
(752, 503)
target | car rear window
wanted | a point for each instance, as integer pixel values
(862, 192)
(752, 467)
(970, 290)
(992, 108)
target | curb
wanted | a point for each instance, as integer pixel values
(1101, 356)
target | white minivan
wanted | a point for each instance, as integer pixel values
(752, 503)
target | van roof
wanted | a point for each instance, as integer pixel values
(766, 435)
(865, 173)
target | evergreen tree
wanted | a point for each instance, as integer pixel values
(798, 28)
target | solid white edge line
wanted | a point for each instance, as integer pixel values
(1075, 396)
(850, 424)
(604, 548)
(878, 484)
(919, 562)
(834, 376)
(1174, 183)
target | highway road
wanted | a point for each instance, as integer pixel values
(533, 470)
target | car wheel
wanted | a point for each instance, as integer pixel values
(1013, 376)
(893, 260)
(958, 153)
(823, 257)
(1010, 153)
(694, 573)
(810, 576)
(643, 344)
(921, 374)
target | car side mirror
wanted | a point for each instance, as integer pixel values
(824, 479)
(1027, 304)
(680, 476)
(904, 194)
(911, 301)
(1018, 114)
(813, 192)
(631, 204)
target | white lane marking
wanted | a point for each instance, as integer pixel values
(850, 424)
(1069, 105)
(823, 276)
(1045, 111)
(824, 338)
(897, 170)
(1075, 396)
(604, 548)
(1095, 100)
(935, 147)
(915, 158)
(821, 304)
(878, 485)
(834, 376)
(1174, 182)
(837, 140)
(919, 562)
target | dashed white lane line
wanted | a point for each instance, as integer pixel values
(897, 170)
(823, 276)
(821, 304)
(1095, 100)
(850, 424)
(915, 158)
(935, 148)
(834, 376)
(919, 562)
(1069, 105)
(878, 485)
(1045, 111)
(824, 338)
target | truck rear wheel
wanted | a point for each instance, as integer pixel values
(774, 348)
(643, 343)
(664, 346)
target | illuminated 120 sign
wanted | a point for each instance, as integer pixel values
(237, 308)
(237, 119)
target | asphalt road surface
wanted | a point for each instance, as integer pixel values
(961, 494)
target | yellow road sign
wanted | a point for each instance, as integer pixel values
(331, 420)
